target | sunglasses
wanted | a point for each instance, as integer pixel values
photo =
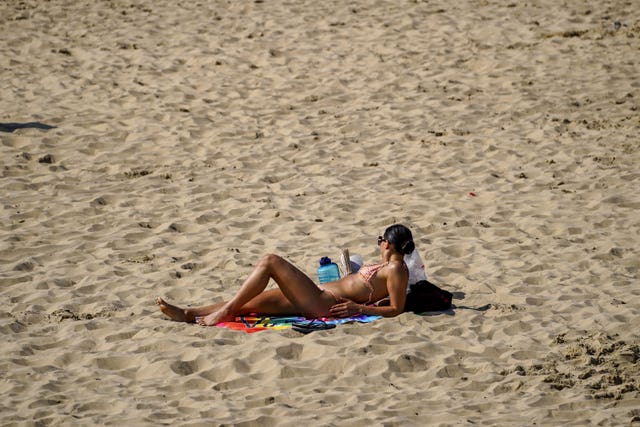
(381, 239)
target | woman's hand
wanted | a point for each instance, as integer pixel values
(345, 308)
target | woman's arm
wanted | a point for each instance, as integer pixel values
(397, 278)
(373, 310)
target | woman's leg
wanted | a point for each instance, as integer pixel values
(187, 314)
(271, 302)
(305, 297)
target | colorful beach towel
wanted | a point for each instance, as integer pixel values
(254, 323)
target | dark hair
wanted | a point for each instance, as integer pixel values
(400, 238)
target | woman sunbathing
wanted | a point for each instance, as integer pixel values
(298, 294)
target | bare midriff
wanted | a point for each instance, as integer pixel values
(353, 287)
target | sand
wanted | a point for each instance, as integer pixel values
(157, 148)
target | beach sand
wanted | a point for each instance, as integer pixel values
(158, 148)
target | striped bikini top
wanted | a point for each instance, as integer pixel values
(368, 272)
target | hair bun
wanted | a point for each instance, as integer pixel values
(408, 247)
(400, 238)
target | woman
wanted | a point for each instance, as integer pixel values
(298, 294)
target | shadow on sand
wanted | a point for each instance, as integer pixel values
(461, 296)
(452, 311)
(10, 127)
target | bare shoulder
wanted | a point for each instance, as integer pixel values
(397, 267)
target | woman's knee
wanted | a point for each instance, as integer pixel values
(271, 260)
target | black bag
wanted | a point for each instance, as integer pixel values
(425, 296)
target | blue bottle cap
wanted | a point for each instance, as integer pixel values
(325, 260)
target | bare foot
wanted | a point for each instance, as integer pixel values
(222, 315)
(172, 312)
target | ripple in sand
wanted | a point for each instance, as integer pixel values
(603, 365)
